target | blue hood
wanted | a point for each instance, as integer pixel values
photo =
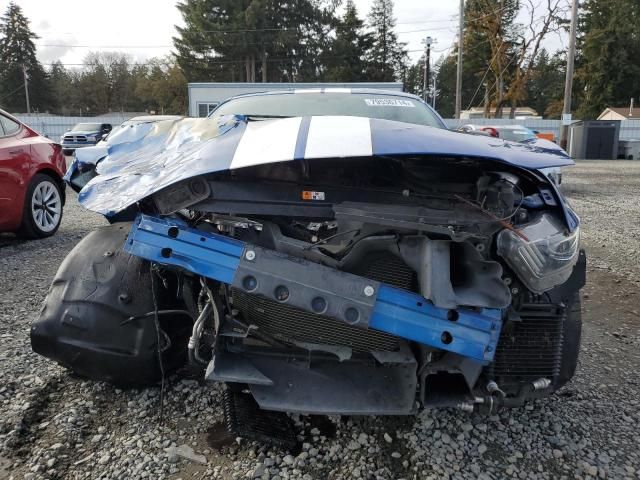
(142, 160)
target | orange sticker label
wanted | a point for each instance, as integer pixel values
(309, 195)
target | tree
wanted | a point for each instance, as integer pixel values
(489, 40)
(387, 56)
(414, 78)
(17, 55)
(445, 72)
(250, 40)
(541, 22)
(63, 89)
(608, 53)
(545, 88)
(162, 87)
(346, 61)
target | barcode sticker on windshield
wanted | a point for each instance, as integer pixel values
(388, 102)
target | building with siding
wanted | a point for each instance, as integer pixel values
(620, 113)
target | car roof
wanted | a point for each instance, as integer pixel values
(355, 91)
(7, 114)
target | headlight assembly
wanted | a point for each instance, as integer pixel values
(547, 256)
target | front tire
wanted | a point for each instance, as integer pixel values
(42, 213)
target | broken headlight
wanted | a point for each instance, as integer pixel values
(547, 256)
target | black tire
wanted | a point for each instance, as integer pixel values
(42, 212)
(68, 153)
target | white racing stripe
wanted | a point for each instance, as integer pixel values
(267, 141)
(339, 137)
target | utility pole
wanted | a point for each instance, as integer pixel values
(459, 69)
(433, 97)
(427, 69)
(568, 83)
(26, 87)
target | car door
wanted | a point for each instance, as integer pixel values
(14, 172)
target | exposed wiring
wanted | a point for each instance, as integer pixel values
(158, 312)
(159, 350)
(501, 221)
(325, 240)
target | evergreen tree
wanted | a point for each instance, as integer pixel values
(387, 56)
(347, 57)
(609, 48)
(254, 40)
(18, 53)
(62, 89)
(545, 88)
(414, 78)
(446, 70)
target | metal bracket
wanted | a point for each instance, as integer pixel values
(316, 288)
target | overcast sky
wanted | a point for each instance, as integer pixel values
(68, 29)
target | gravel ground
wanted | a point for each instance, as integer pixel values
(53, 425)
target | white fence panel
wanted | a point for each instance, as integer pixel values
(54, 127)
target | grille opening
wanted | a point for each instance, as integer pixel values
(444, 388)
(292, 325)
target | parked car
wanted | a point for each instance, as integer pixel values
(84, 135)
(31, 186)
(519, 133)
(323, 252)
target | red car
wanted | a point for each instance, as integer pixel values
(31, 185)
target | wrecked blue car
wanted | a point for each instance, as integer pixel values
(322, 252)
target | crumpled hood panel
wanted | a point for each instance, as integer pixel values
(143, 159)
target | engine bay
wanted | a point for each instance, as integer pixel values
(319, 286)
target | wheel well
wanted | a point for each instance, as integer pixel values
(58, 179)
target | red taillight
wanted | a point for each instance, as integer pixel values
(491, 131)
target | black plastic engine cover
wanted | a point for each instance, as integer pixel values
(85, 323)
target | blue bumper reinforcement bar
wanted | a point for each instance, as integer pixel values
(315, 288)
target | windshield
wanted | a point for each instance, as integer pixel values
(517, 135)
(87, 127)
(370, 105)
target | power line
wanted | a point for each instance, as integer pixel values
(212, 62)
(274, 29)
(485, 73)
(11, 93)
(67, 45)
(256, 30)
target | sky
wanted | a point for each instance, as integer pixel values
(69, 29)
